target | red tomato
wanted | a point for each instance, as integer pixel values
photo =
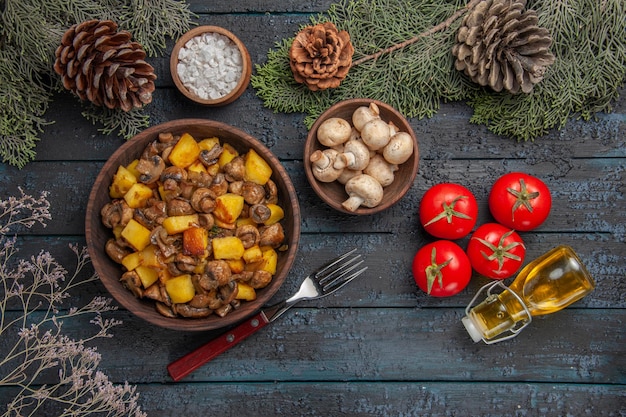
(441, 268)
(520, 201)
(496, 251)
(448, 211)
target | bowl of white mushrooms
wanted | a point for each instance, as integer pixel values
(361, 156)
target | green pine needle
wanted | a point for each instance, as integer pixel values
(589, 44)
(31, 30)
(116, 121)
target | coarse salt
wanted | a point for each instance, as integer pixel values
(210, 65)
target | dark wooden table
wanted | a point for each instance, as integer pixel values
(380, 347)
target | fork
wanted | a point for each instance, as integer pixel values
(324, 281)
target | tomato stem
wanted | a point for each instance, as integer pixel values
(449, 212)
(522, 198)
(500, 252)
(433, 271)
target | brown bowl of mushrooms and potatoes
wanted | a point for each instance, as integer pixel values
(192, 225)
(361, 156)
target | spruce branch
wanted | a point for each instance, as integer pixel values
(441, 26)
(415, 77)
(31, 30)
(153, 21)
(116, 121)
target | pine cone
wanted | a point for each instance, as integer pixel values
(104, 66)
(321, 56)
(500, 45)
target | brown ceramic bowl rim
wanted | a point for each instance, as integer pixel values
(246, 69)
(319, 186)
(96, 234)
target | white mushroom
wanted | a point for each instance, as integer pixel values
(381, 170)
(355, 156)
(334, 131)
(363, 191)
(376, 134)
(347, 174)
(399, 149)
(355, 134)
(364, 114)
(322, 165)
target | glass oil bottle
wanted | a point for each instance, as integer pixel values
(546, 285)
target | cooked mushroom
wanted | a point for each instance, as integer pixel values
(381, 170)
(150, 169)
(211, 156)
(168, 244)
(217, 273)
(167, 138)
(206, 220)
(185, 263)
(271, 192)
(322, 165)
(252, 193)
(172, 179)
(399, 149)
(259, 213)
(173, 173)
(201, 300)
(153, 214)
(355, 156)
(243, 276)
(213, 299)
(172, 269)
(333, 131)
(158, 293)
(235, 187)
(363, 190)
(272, 235)
(228, 292)
(260, 279)
(131, 281)
(179, 207)
(199, 179)
(116, 250)
(235, 169)
(248, 234)
(219, 186)
(164, 310)
(116, 213)
(189, 311)
(150, 150)
(186, 189)
(203, 200)
(224, 310)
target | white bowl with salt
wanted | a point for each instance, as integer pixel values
(210, 66)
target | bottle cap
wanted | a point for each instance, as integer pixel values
(471, 329)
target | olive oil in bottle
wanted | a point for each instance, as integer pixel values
(546, 285)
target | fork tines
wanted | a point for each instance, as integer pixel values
(340, 271)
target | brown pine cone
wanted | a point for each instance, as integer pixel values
(104, 66)
(500, 45)
(321, 56)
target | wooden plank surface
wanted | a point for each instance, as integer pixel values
(380, 347)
